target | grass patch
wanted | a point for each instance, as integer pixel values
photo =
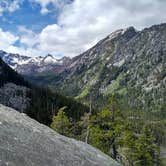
(84, 93)
(114, 86)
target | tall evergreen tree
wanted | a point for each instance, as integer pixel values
(61, 123)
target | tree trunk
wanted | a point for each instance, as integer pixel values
(88, 128)
(114, 152)
(87, 135)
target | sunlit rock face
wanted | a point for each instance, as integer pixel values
(25, 142)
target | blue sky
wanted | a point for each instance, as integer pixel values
(69, 27)
(28, 15)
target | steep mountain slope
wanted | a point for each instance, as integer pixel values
(127, 62)
(24, 141)
(34, 65)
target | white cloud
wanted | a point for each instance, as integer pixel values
(28, 37)
(25, 51)
(84, 22)
(9, 6)
(7, 39)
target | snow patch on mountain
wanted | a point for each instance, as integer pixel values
(115, 34)
(49, 59)
(28, 65)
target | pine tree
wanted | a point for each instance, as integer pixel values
(61, 123)
(147, 151)
(106, 128)
(138, 149)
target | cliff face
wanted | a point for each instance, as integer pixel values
(13, 88)
(24, 141)
(15, 96)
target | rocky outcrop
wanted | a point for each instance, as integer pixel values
(25, 142)
(15, 96)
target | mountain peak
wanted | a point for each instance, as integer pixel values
(115, 34)
(25, 64)
(49, 59)
(128, 32)
(49, 55)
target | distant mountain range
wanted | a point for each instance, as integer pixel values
(127, 62)
(31, 65)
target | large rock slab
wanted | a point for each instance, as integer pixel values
(25, 142)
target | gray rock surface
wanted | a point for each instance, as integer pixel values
(25, 142)
(14, 96)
